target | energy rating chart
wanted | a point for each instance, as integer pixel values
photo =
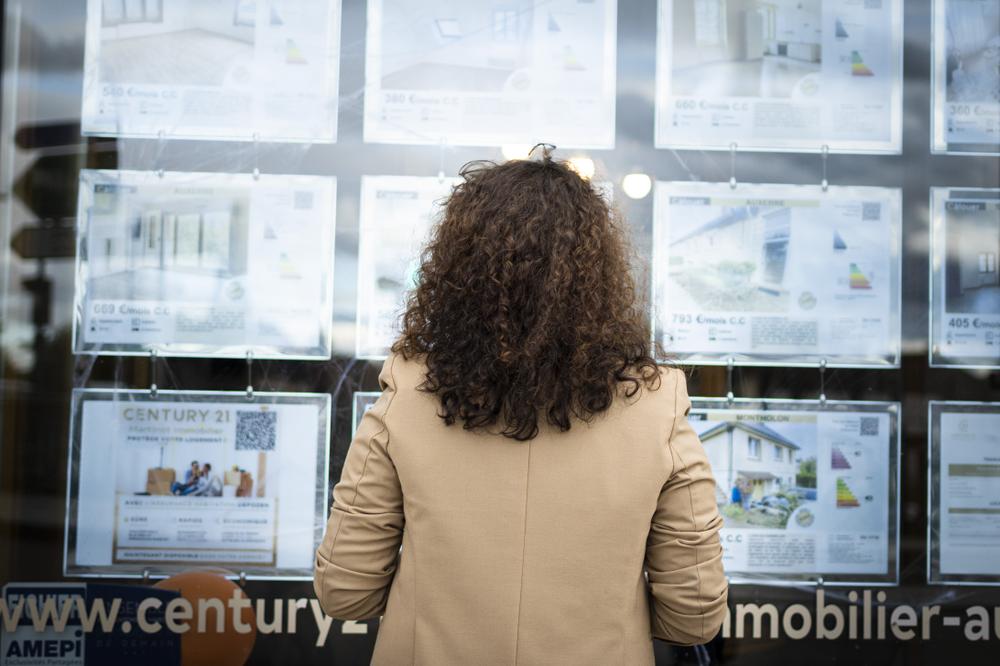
(838, 460)
(845, 498)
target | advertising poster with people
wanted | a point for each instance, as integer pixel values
(777, 273)
(263, 70)
(478, 73)
(167, 481)
(205, 264)
(788, 75)
(805, 490)
(965, 277)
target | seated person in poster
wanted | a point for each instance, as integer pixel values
(209, 485)
(190, 477)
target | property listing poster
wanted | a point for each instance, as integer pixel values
(166, 481)
(965, 492)
(363, 401)
(478, 73)
(965, 277)
(205, 264)
(777, 273)
(212, 69)
(966, 76)
(397, 213)
(804, 490)
(780, 75)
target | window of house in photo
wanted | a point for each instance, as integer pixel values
(120, 12)
(246, 13)
(753, 448)
(505, 25)
(987, 262)
(448, 28)
(769, 19)
(777, 453)
(709, 22)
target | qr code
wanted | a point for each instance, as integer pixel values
(869, 426)
(871, 211)
(256, 431)
(303, 200)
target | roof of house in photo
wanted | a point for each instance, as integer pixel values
(732, 216)
(756, 429)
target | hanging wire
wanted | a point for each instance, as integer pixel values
(825, 152)
(153, 356)
(730, 365)
(822, 381)
(249, 374)
(547, 150)
(732, 165)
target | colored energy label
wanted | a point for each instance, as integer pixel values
(570, 61)
(858, 66)
(838, 460)
(858, 279)
(845, 498)
(293, 56)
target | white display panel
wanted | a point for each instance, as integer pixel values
(777, 274)
(785, 75)
(200, 264)
(363, 401)
(180, 479)
(397, 213)
(478, 73)
(966, 77)
(965, 277)
(396, 216)
(963, 526)
(817, 483)
(212, 69)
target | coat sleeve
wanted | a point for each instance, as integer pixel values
(683, 553)
(356, 562)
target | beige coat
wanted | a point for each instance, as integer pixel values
(524, 552)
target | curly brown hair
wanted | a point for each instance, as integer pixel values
(525, 302)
